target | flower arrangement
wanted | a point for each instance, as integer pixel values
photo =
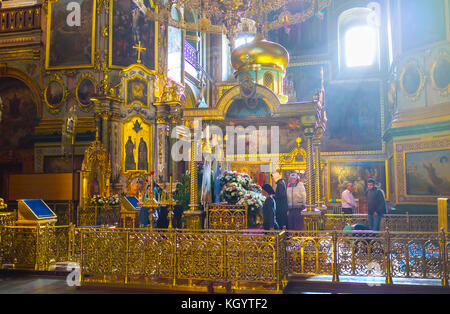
(3, 205)
(99, 200)
(239, 189)
(113, 200)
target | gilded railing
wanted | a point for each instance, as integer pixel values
(400, 223)
(8, 218)
(20, 19)
(63, 210)
(34, 248)
(368, 254)
(95, 215)
(233, 260)
(226, 217)
(228, 260)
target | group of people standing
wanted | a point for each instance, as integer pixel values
(376, 203)
(283, 207)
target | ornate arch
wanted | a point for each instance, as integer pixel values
(234, 93)
(28, 81)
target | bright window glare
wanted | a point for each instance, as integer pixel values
(242, 40)
(360, 46)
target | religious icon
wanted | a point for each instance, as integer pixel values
(137, 92)
(128, 28)
(136, 145)
(71, 44)
(142, 155)
(86, 91)
(130, 163)
(54, 94)
(137, 89)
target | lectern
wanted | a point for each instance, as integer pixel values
(129, 211)
(34, 213)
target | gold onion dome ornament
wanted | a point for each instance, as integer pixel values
(260, 52)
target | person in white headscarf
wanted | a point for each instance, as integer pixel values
(296, 195)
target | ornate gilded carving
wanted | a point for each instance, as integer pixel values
(95, 172)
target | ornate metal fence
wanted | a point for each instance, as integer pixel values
(400, 223)
(226, 217)
(193, 260)
(188, 259)
(34, 248)
(94, 215)
(375, 254)
(8, 218)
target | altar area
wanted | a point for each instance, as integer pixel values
(136, 136)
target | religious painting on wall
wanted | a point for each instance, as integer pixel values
(136, 91)
(302, 82)
(136, 145)
(85, 91)
(358, 173)
(71, 39)
(128, 27)
(428, 172)
(58, 164)
(18, 116)
(354, 113)
(252, 108)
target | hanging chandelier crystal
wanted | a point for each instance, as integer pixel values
(226, 16)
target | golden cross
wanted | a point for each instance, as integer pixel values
(139, 48)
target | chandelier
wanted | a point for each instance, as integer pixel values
(229, 16)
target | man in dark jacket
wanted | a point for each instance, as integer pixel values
(281, 200)
(375, 205)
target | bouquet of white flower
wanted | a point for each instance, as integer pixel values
(114, 200)
(239, 189)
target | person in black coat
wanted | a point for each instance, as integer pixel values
(269, 208)
(376, 205)
(281, 200)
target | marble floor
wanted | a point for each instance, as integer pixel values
(51, 283)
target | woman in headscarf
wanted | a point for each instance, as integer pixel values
(296, 195)
(281, 200)
(269, 208)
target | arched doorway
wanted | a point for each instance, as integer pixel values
(19, 113)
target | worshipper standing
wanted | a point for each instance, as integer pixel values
(348, 200)
(296, 195)
(378, 185)
(375, 205)
(269, 208)
(281, 200)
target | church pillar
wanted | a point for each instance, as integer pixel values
(194, 214)
(318, 172)
(162, 155)
(310, 177)
(172, 164)
(105, 130)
